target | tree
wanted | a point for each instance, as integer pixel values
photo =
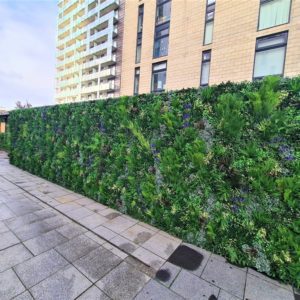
(20, 105)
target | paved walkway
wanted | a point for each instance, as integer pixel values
(56, 244)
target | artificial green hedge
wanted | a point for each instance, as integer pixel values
(3, 141)
(218, 167)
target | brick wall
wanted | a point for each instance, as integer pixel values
(233, 47)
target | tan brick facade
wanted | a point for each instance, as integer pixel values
(232, 50)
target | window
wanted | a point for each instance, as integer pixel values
(273, 13)
(159, 75)
(162, 27)
(209, 22)
(140, 18)
(138, 49)
(136, 81)
(270, 55)
(161, 42)
(205, 68)
(139, 34)
(163, 11)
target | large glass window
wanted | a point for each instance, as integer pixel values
(209, 22)
(139, 34)
(163, 11)
(140, 18)
(270, 55)
(162, 26)
(136, 81)
(273, 13)
(161, 40)
(138, 48)
(205, 67)
(159, 75)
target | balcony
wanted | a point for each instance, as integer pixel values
(90, 89)
(112, 15)
(109, 60)
(108, 73)
(68, 82)
(108, 6)
(91, 76)
(92, 63)
(101, 47)
(107, 86)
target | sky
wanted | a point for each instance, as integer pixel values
(27, 52)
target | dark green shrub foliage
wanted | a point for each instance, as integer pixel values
(218, 167)
(3, 141)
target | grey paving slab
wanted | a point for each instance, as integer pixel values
(13, 256)
(77, 247)
(93, 293)
(85, 201)
(148, 258)
(16, 222)
(32, 230)
(40, 267)
(24, 296)
(67, 207)
(95, 237)
(123, 282)
(23, 207)
(138, 234)
(167, 273)
(226, 296)
(79, 213)
(105, 232)
(45, 213)
(45, 242)
(97, 263)
(57, 221)
(10, 285)
(96, 207)
(5, 212)
(119, 224)
(71, 230)
(161, 245)
(68, 198)
(66, 284)
(115, 250)
(124, 244)
(190, 286)
(226, 276)
(263, 277)
(155, 291)
(93, 221)
(3, 227)
(206, 256)
(261, 289)
(7, 239)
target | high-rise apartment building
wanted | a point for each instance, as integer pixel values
(174, 44)
(89, 44)
(192, 43)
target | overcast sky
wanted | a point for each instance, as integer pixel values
(27, 51)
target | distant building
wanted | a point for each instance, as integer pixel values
(89, 44)
(158, 45)
(3, 119)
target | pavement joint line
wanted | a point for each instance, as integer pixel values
(75, 221)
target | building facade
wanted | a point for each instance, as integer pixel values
(192, 43)
(89, 43)
(108, 48)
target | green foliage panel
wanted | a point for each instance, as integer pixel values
(218, 167)
(4, 141)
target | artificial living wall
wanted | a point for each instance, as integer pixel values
(218, 167)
